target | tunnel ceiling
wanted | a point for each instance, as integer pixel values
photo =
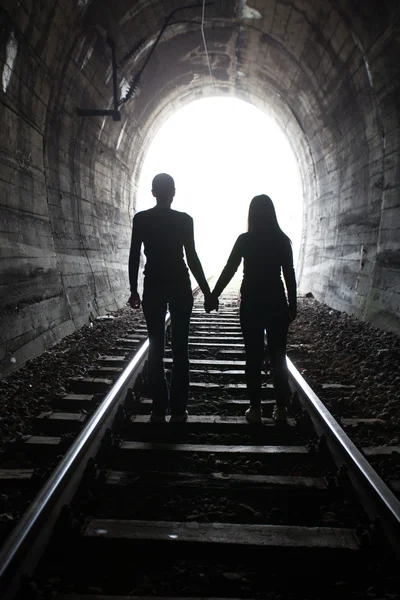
(327, 71)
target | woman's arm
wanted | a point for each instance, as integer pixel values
(290, 279)
(230, 268)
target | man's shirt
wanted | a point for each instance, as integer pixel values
(165, 234)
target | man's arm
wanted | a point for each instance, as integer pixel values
(193, 261)
(134, 260)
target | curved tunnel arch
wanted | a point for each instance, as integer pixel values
(327, 72)
(222, 151)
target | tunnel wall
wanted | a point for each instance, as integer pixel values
(327, 72)
(352, 250)
(66, 193)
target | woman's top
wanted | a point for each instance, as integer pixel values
(265, 256)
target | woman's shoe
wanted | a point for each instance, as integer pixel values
(253, 415)
(179, 418)
(279, 414)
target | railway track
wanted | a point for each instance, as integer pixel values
(213, 507)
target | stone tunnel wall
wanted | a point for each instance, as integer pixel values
(66, 193)
(328, 72)
(352, 250)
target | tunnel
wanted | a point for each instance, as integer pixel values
(86, 84)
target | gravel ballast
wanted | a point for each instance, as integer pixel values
(327, 346)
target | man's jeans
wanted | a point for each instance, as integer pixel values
(180, 302)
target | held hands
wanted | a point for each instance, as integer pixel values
(134, 300)
(211, 302)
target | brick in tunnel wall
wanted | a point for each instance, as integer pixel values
(44, 318)
(383, 306)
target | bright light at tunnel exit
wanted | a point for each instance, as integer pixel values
(221, 153)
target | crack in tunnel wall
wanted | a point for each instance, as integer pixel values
(327, 72)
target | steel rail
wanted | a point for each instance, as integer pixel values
(375, 496)
(22, 538)
(23, 548)
(377, 499)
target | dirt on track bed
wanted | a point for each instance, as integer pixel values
(233, 579)
(332, 347)
(30, 390)
(337, 348)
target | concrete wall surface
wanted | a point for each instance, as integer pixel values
(329, 74)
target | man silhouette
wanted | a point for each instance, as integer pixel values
(165, 233)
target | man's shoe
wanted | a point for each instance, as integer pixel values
(253, 415)
(157, 418)
(179, 418)
(279, 414)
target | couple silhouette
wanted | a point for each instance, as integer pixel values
(266, 251)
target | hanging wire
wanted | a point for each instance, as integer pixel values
(132, 54)
(204, 41)
(134, 84)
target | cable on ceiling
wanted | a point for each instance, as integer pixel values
(205, 43)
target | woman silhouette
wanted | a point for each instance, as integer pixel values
(266, 251)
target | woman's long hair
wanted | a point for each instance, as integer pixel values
(262, 217)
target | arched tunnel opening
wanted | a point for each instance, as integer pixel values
(222, 152)
(86, 85)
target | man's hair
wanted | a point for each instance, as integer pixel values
(162, 183)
